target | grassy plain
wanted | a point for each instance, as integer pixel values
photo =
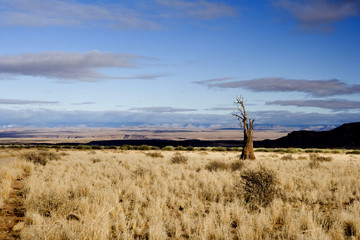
(115, 194)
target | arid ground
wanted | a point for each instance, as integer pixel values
(84, 135)
(199, 194)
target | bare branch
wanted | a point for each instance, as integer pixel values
(242, 114)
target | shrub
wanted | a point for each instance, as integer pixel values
(316, 157)
(350, 229)
(126, 147)
(353, 152)
(235, 149)
(293, 150)
(141, 172)
(180, 148)
(313, 150)
(335, 151)
(154, 154)
(203, 148)
(216, 165)
(259, 187)
(179, 159)
(219, 149)
(263, 150)
(302, 158)
(287, 157)
(67, 146)
(111, 147)
(143, 147)
(83, 147)
(189, 148)
(96, 160)
(236, 166)
(98, 147)
(279, 150)
(314, 164)
(40, 157)
(168, 148)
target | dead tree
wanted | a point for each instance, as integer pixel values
(242, 116)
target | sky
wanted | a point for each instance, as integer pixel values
(178, 63)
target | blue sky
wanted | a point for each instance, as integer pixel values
(178, 62)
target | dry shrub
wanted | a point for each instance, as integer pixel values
(40, 157)
(236, 166)
(141, 172)
(179, 159)
(326, 220)
(349, 229)
(216, 165)
(314, 164)
(96, 160)
(287, 157)
(316, 157)
(259, 187)
(154, 154)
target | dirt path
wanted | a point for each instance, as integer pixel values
(13, 212)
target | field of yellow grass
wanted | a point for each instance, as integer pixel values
(115, 194)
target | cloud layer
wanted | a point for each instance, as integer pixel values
(25, 102)
(336, 104)
(163, 109)
(201, 9)
(121, 15)
(69, 66)
(51, 118)
(320, 13)
(316, 88)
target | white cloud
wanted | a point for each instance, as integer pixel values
(25, 102)
(334, 104)
(70, 66)
(130, 15)
(39, 13)
(199, 9)
(317, 88)
(320, 13)
(52, 118)
(163, 109)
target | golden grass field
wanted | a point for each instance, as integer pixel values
(115, 194)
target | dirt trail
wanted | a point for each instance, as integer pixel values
(13, 211)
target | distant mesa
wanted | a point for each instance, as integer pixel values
(344, 136)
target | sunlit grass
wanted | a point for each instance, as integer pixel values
(116, 194)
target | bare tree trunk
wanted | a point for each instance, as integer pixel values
(248, 148)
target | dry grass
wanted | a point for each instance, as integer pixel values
(40, 156)
(154, 154)
(179, 159)
(11, 170)
(216, 165)
(128, 195)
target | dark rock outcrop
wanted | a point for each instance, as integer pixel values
(344, 136)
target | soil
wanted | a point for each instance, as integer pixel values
(13, 211)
